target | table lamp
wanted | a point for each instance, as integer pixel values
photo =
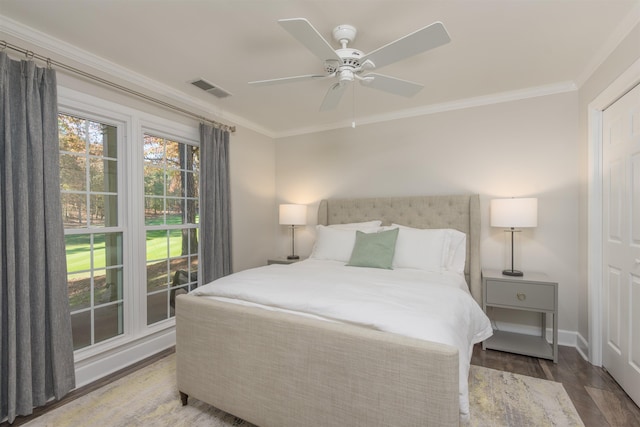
(514, 213)
(292, 215)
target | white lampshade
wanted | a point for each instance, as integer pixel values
(516, 213)
(293, 214)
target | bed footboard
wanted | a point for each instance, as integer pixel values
(277, 369)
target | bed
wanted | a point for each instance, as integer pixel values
(245, 353)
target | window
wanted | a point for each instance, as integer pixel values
(171, 180)
(130, 199)
(93, 237)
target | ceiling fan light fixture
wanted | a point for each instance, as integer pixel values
(346, 76)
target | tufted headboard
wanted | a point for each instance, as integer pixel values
(461, 212)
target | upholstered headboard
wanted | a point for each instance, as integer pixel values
(461, 212)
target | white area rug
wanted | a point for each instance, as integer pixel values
(149, 397)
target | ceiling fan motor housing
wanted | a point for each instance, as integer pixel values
(350, 61)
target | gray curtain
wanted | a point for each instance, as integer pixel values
(215, 206)
(36, 352)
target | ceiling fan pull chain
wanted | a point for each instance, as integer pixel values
(353, 123)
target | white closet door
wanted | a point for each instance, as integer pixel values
(621, 241)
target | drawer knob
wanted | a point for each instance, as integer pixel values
(521, 296)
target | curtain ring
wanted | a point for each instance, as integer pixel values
(29, 54)
(3, 45)
(49, 63)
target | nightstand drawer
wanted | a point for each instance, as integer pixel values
(513, 294)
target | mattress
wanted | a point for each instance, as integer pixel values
(433, 306)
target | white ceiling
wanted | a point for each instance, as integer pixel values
(498, 48)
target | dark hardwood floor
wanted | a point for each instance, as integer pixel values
(599, 400)
(597, 397)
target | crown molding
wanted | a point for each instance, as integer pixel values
(69, 52)
(497, 98)
(621, 32)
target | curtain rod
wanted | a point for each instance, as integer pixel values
(50, 62)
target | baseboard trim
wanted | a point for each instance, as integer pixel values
(582, 347)
(566, 338)
(95, 368)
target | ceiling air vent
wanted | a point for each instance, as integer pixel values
(212, 89)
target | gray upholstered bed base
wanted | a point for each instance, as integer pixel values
(280, 370)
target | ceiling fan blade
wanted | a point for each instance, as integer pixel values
(391, 84)
(290, 79)
(333, 97)
(419, 41)
(305, 33)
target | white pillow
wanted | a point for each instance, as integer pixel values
(335, 243)
(457, 251)
(424, 249)
(362, 226)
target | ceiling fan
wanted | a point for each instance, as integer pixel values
(347, 64)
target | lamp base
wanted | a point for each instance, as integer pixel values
(516, 273)
(293, 257)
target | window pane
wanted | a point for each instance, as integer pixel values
(79, 288)
(74, 210)
(193, 268)
(193, 154)
(179, 264)
(191, 184)
(157, 245)
(107, 250)
(94, 131)
(110, 141)
(157, 275)
(157, 307)
(81, 329)
(153, 210)
(174, 211)
(107, 285)
(191, 211)
(153, 181)
(108, 322)
(73, 172)
(174, 183)
(189, 241)
(175, 243)
(153, 149)
(72, 134)
(103, 175)
(172, 153)
(104, 210)
(78, 249)
(102, 139)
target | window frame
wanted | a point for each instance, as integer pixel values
(161, 130)
(131, 124)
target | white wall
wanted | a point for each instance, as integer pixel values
(252, 166)
(522, 148)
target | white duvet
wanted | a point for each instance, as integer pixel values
(431, 306)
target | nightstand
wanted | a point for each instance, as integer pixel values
(283, 261)
(532, 292)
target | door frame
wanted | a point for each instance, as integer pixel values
(621, 85)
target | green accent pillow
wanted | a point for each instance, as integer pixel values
(374, 249)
